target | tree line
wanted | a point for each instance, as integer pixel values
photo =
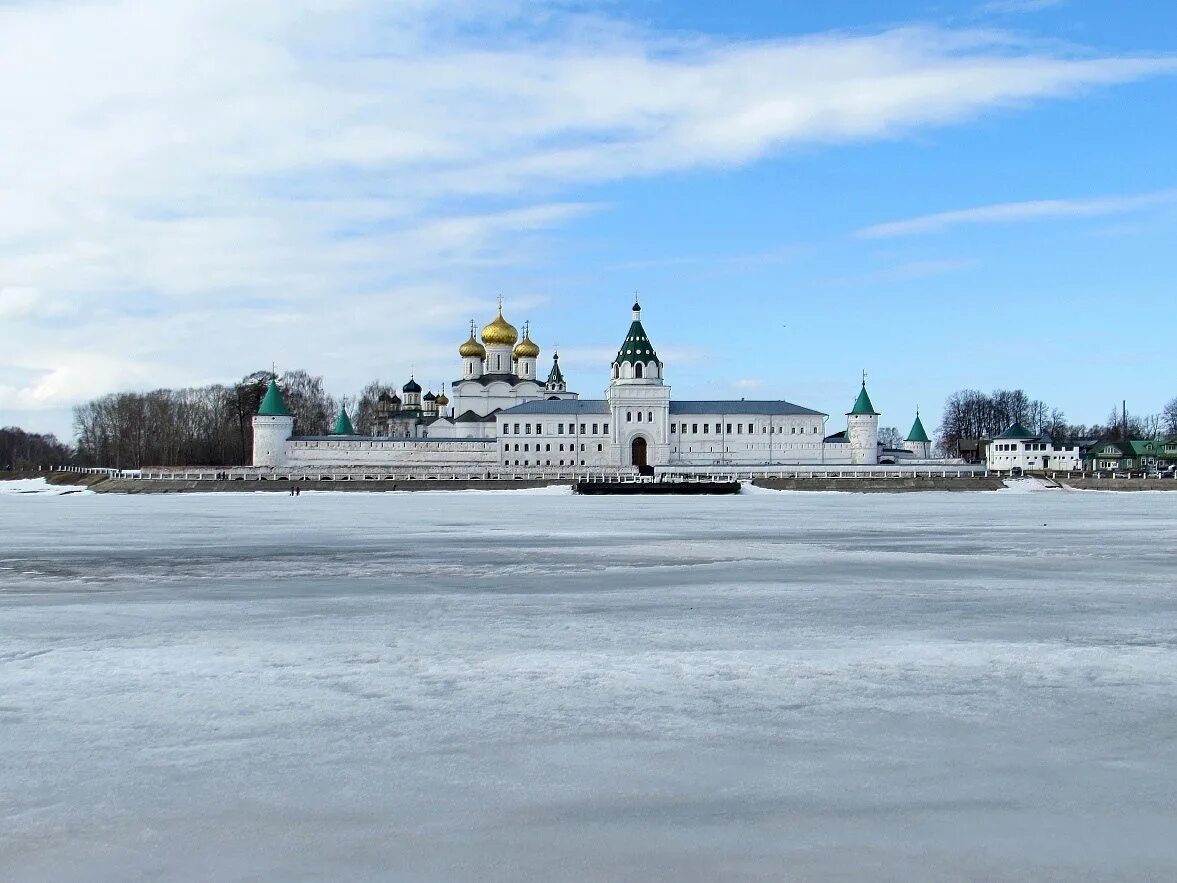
(206, 426)
(972, 414)
(30, 450)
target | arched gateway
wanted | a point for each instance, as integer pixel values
(638, 452)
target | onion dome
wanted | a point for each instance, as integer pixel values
(396, 400)
(412, 386)
(442, 400)
(385, 398)
(429, 397)
(526, 348)
(500, 332)
(472, 349)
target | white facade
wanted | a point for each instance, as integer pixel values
(1018, 448)
(502, 415)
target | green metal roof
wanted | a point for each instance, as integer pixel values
(1017, 430)
(637, 346)
(343, 424)
(918, 434)
(273, 405)
(862, 405)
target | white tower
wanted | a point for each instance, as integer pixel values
(639, 401)
(272, 427)
(862, 430)
(917, 440)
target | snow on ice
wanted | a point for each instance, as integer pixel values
(483, 686)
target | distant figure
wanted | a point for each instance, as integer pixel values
(297, 491)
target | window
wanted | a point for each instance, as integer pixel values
(506, 447)
(695, 428)
(729, 428)
(582, 447)
(526, 447)
(639, 416)
(582, 429)
(516, 428)
(672, 428)
(629, 416)
(594, 429)
(605, 429)
(637, 369)
(506, 429)
(739, 429)
(751, 429)
(527, 428)
(548, 448)
(600, 448)
(705, 426)
(649, 416)
(559, 429)
(561, 447)
(516, 447)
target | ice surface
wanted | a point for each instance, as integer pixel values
(478, 686)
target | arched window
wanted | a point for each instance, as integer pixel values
(629, 416)
(637, 370)
(498, 363)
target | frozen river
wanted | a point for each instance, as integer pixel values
(535, 686)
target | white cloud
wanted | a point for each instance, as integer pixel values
(201, 186)
(1017, 6)
(1031, 210)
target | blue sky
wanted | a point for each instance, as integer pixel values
(945, 195)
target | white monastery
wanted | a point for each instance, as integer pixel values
(502, 416)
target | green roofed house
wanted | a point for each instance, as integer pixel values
(273, 405)
(343, 424)
(1138, 454)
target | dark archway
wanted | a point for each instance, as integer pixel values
(637, 369)
(638, 452)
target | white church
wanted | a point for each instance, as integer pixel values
(502, 417)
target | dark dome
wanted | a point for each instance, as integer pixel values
(384, 397)
(430, 397)
(411, 386)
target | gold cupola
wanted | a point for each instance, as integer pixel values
(472, 349)
(500, 332)
(526, 349)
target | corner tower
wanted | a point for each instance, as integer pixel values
(639, 401)
(862, 430)
(272, 427)
(917, 440)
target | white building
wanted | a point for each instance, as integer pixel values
(1019, 448)
(501, 415)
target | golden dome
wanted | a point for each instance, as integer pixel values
(500, 332)
(442, 400)
(526, 348)
(472, 349)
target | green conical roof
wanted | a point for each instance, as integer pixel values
(862, 404)
(343, 424)
(273, 405)
(637, 346)
(918, 434)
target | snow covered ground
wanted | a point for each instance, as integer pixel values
(536, 686)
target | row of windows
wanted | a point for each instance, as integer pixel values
(681, 429)
(527, 447)
(526, 429)
(545, 463)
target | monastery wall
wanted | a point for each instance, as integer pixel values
(390, 453)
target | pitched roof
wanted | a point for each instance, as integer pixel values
(343, 424)
(273, 405)
(555, 375)
(636, 347)
(1017, 430)
(558, 406)
(862, 404)
(918, 434)
(762, 408)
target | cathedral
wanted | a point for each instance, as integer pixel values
(502, 417)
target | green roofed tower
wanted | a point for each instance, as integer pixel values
(637, 347)
(1018, 431)
(343, 424)
(918, 433)
(862, 405)
(273, 405)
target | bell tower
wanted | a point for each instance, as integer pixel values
(639, 401)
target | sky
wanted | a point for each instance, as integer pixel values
(943, 195)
